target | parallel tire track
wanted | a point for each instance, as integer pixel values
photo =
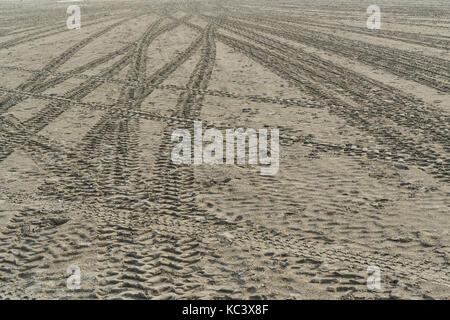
(385, 136)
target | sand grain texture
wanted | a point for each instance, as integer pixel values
(86, 176)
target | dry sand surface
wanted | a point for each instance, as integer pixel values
(86, 176)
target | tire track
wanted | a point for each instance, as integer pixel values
(218, 93)
(160, 244)
(83, 184)
(390, 137)
(173, 188)
(143, 263)
(130, 99)
(299, 251)
(381, 99)
(35, 82)
(426, 40)
(42, 34)
(123, 175)
(54, 109)
(429, 71)
(153, 253)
